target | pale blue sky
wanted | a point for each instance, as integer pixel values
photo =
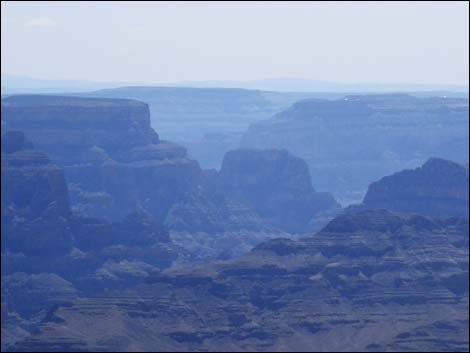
(394, 42)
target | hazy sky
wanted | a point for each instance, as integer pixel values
(399, 42)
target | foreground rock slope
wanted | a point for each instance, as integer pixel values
(377, 279)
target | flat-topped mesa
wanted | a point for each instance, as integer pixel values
(78, 123)
(439, 188)
(275, 184)
(114, 161)
(361, 106)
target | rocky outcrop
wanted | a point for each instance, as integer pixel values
(439, 188)
(379, 280)
(350, 142)
(114, 161)
(276, 185)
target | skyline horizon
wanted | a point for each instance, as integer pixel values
(228, 81)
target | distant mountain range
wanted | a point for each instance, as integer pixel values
(306, 85)
(13, 84)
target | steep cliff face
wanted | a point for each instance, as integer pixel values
(39, 231)
(351, 142)
(379, 280)
(35, 202)
(439, 188)
(41, 234)
(276, 184)
(30, 181)
(114, 161)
